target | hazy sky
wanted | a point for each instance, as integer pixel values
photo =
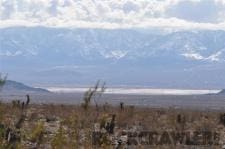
(206, 14)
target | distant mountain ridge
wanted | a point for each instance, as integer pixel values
(59, 56)
(13, 86)
(111, 45)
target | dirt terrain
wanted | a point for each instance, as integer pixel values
(209, 102)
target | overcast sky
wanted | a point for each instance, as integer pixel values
(184, 14)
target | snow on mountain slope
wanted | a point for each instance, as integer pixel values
(110, 44)
(218, 56)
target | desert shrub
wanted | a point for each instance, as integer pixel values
(20, 121)
(106, 106)
(37, 133)
(93, 93)
(222, 119)
(59, 141)
(87, 99)
(1, 113)
(121, 106)
(2, 133)
(73, 124)
(2, 80)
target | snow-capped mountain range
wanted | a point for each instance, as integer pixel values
(80, 56)
(111, 44)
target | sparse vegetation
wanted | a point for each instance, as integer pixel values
(26, 125)
(71, 127)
